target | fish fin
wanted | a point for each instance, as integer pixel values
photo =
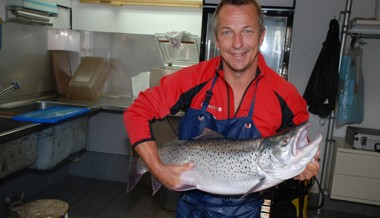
(156, 185)
(133, 175)
(251, 190)
(209, 134)
(188, 179)
(185, 187)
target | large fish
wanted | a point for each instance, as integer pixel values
(236, 167)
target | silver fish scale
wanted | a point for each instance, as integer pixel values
(265, 157)
(219, 158)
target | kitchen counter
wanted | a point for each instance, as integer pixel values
(113, 104)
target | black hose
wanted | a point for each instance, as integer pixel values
(320, 193)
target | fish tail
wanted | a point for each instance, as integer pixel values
(133, 175)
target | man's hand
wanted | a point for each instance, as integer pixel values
(311, 169)
(169, 175)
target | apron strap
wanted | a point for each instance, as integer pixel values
(209, 94)
(251, 109)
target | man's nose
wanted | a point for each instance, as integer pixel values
(237, 41)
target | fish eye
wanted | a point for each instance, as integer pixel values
(286, 140)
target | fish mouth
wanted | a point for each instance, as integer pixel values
(301, 140)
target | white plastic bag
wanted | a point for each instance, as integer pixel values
(175, 38)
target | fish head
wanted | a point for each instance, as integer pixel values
(287, 153)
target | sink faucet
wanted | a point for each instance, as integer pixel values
(15, 85)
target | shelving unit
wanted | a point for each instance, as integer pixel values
(366, 30)
(359, 30)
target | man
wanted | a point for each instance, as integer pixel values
(235, 94)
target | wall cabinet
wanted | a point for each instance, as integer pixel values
(178, 3)
(355, 176)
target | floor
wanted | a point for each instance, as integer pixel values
(92, 198)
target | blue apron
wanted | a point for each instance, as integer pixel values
(198, 204)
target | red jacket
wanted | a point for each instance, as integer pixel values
(278, 103)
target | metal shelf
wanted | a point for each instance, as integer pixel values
(363, 29)
(21, 15)
(371, 31)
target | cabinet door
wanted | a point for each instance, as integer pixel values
(356, 176)
(356, 189)
(357, 163)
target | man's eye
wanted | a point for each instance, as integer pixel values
(248, 31)
(226, 33)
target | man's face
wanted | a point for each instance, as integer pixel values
(239, 36)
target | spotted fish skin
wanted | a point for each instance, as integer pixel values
(236, 167)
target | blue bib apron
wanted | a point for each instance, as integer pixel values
(198, 204)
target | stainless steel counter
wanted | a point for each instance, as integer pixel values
(113, 104)
(117, 104)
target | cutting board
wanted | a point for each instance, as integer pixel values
(53, 114)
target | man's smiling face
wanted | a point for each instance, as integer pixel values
(239, 36)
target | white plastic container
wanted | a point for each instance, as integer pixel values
(90, 77)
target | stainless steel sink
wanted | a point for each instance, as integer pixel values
(37, 145)
(32, 106)
(7, 124)
(10, 129)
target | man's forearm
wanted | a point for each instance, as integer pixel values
(148, 152)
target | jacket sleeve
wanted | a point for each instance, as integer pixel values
(151, 104)
(295, 111)
(138, 116)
